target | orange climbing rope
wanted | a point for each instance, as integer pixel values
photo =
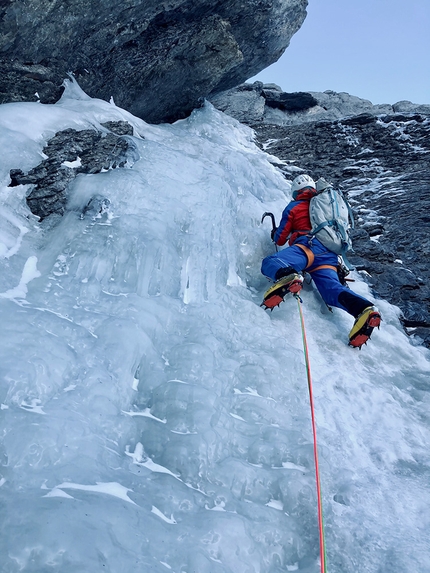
(314, 431)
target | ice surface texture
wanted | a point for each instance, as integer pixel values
(153, 416)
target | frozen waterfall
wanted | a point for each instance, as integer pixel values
(153, 417)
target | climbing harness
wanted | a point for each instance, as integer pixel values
(314, 431)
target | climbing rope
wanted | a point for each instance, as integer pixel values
(314, 431)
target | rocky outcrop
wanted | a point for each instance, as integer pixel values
(382, 163)
(156, 59)
(69, 154)
(267, 103)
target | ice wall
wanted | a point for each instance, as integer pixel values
(153, 416)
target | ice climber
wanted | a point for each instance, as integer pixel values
(307, 253)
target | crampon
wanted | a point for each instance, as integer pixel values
(363, 327)
(275, 294)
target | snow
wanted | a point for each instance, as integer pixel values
(29, 273)
(153, 416)
(76, 163)
(114, 489)
(162, 516)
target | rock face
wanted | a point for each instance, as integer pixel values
(267, 103)
(70, 153)
(156, 59)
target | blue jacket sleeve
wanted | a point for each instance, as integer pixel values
(285, 226)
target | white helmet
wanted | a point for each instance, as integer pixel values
(300, 182)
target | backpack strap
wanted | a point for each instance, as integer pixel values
(350, 211)
(335, 226)
(345, 239)
(321, 226)
(348, 265)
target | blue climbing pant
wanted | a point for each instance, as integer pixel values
(326, 279)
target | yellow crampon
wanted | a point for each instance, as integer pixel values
(275, 294)
(363, 326)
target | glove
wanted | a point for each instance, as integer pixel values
(272, 234)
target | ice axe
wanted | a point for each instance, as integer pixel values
(272, 216)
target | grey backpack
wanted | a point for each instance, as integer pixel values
(331, 219)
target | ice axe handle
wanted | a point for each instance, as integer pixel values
(272, 216)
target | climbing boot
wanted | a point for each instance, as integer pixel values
(275, 294)
(363, 326)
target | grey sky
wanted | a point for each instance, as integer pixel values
(375, 49)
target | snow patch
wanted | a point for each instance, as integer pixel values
(110, 488)
(29, 273)
(158, 513)
(72, 164)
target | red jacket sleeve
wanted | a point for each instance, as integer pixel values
(295, 221)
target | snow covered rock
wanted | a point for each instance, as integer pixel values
(245, 103)
(67, 154)
(156, 59)
(252, 103)
(405, 106)
(283, 108)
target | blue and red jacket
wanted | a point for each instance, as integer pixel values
(295, 218)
